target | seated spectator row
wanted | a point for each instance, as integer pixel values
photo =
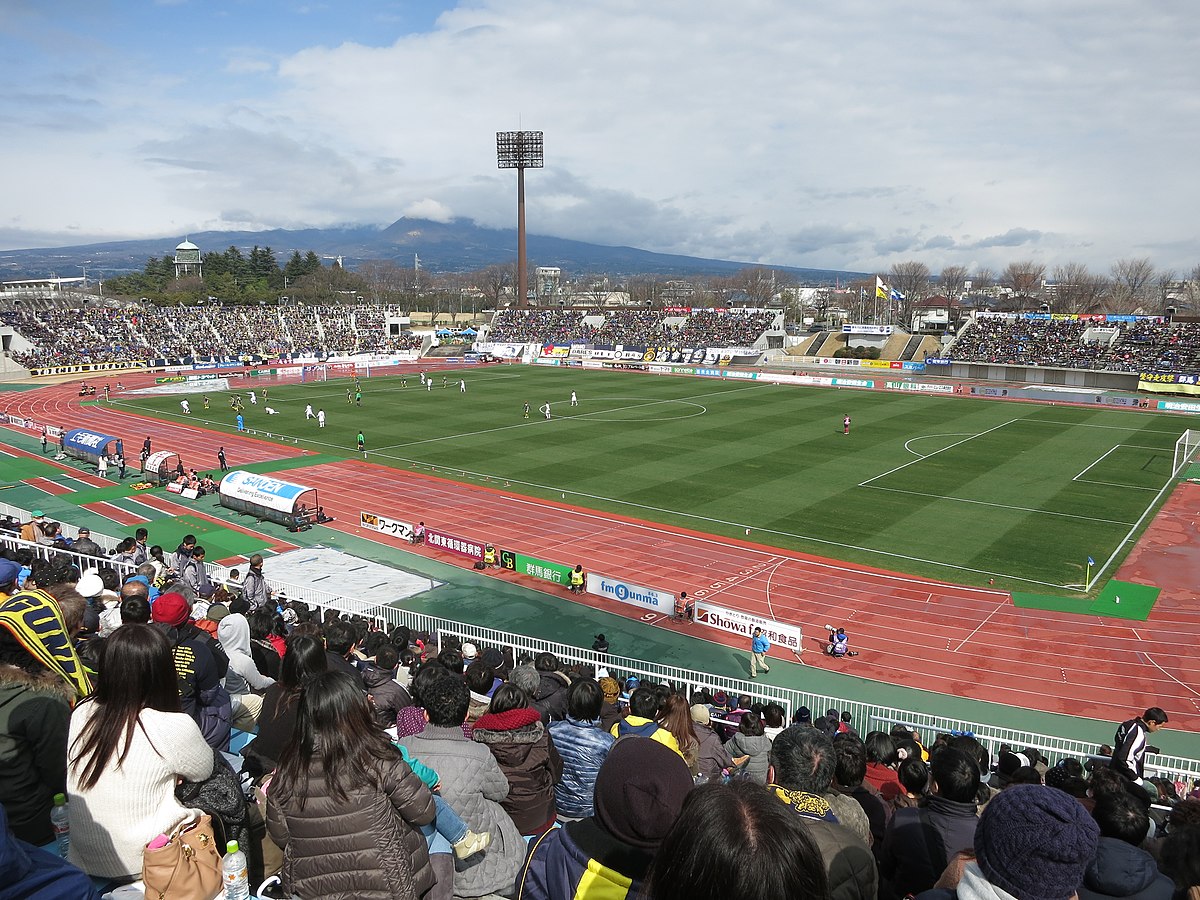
(382, 769)
(644, 327)
(1142, 346)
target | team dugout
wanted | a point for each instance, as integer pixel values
(270, 499)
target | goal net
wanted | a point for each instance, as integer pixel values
(314, 373)
(1186, 450)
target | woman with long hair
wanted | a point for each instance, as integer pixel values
(342, 784)
(128, 745)
(675, 715)
(305, 659)
(513, 731)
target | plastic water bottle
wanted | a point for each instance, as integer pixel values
(60, 818)
(233, 873)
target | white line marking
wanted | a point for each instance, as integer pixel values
(925, 436)
(1150, 659)
(1097, 461)
(1046, 512)
(999, 607)
(936, 452)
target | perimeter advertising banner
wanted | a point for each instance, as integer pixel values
(919, 386)
(736, 622)
(1168, 384)
(385, 525)
(633, 594)
(454, 544)
(538, 568)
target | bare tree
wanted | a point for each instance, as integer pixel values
(982, 280)
(1132, 280)
(493, 281)
(758, 283)
(910, 278)
(644, 290)
(1165, 279)
(1190, 299)
(1025, 278)
(1077, 289)
(951, 281)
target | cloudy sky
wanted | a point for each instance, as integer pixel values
(848, 135)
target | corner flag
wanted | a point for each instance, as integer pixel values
(1091, 562)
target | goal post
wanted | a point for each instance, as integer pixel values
(1186, 450)
(314, 373)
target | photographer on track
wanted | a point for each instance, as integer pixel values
(839, 643)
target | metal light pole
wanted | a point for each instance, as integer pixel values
(520, 150)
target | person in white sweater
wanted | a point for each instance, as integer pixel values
(245, 683)
(128, 745)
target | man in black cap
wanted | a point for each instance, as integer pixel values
(639, 792)
(600, 645)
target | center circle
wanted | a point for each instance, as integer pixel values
(645, 409)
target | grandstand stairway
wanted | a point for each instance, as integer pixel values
(912, 346)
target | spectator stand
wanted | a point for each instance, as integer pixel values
(268, 499)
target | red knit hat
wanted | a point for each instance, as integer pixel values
(170, 609)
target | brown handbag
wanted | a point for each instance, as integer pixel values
(188, 867)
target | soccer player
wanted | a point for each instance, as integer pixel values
(358, 398)
(206, 401)
(308, 413)
(349, 396)
(45, 441)
(574, 399)
(428, 384)
(254, 398)
(362, 444)
(271, 412)
(462, 386)
(187, 407)
(443, 381)
(544, 409)
(320, 418)
(241, 423)
(846, 424)
(403, 381)
(526, 409)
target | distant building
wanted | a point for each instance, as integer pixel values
(547, 280)
(187, 260)
(40, 288)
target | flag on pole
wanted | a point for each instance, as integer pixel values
(894, 294)
(1091, 562)
(881, 289)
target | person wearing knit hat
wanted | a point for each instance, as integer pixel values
(610, 710)
(640, 791)
(1032, 843)
(170, 609)
(712, 759)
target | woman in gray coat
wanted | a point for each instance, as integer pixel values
(750, 748)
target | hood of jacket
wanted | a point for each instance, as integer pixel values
(373, 676)
(13, 678)
(1122, 870)
(974, 886)
(550, 683)
(234, 633)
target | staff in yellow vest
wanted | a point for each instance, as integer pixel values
(577, 577)
(489, 555)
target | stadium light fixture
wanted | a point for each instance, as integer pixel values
(520, 150)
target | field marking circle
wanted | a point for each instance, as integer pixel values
(924, 437)
(601, 417)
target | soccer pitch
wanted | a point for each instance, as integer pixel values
(959, 489)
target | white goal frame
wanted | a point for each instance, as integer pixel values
(1186, 450)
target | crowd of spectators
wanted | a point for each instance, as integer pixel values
(392, 764)
(636, 327)
(66, 335)
(1148, 345)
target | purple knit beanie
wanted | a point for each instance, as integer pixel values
(1035, 842)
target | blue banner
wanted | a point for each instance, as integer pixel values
(87, 442)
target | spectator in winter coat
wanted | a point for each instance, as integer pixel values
(750, 748)
(881, 764)
(1031, 841)
(712, 757)
(244, 681)
(472, 783)
(1121, 868)
(640, 790)
(182, 557)
(921, 841)
(583, 746)
(303, 661)
(480, 678)
(803, 762)
(386, 696)
(36, 696)
(513, 731)
(848, 778)
(550, 698)
(198, 668)
(344, 805)
(31, 873)
(643, 707)
(610, 712)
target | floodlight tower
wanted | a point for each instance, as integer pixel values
(520, 150)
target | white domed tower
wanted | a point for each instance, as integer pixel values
(187, 260)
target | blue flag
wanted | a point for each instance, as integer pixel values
(1091, 562)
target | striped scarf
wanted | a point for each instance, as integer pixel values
(35, 621)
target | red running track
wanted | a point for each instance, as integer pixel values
(928, 635)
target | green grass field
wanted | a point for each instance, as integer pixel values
(954, 488)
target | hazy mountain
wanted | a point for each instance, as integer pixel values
(457, 246)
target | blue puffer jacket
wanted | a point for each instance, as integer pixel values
(583, 746)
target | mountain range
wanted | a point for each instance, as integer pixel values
(456, 246)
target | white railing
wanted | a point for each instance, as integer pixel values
(869, 715)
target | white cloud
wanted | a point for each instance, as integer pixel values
(846, 136)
